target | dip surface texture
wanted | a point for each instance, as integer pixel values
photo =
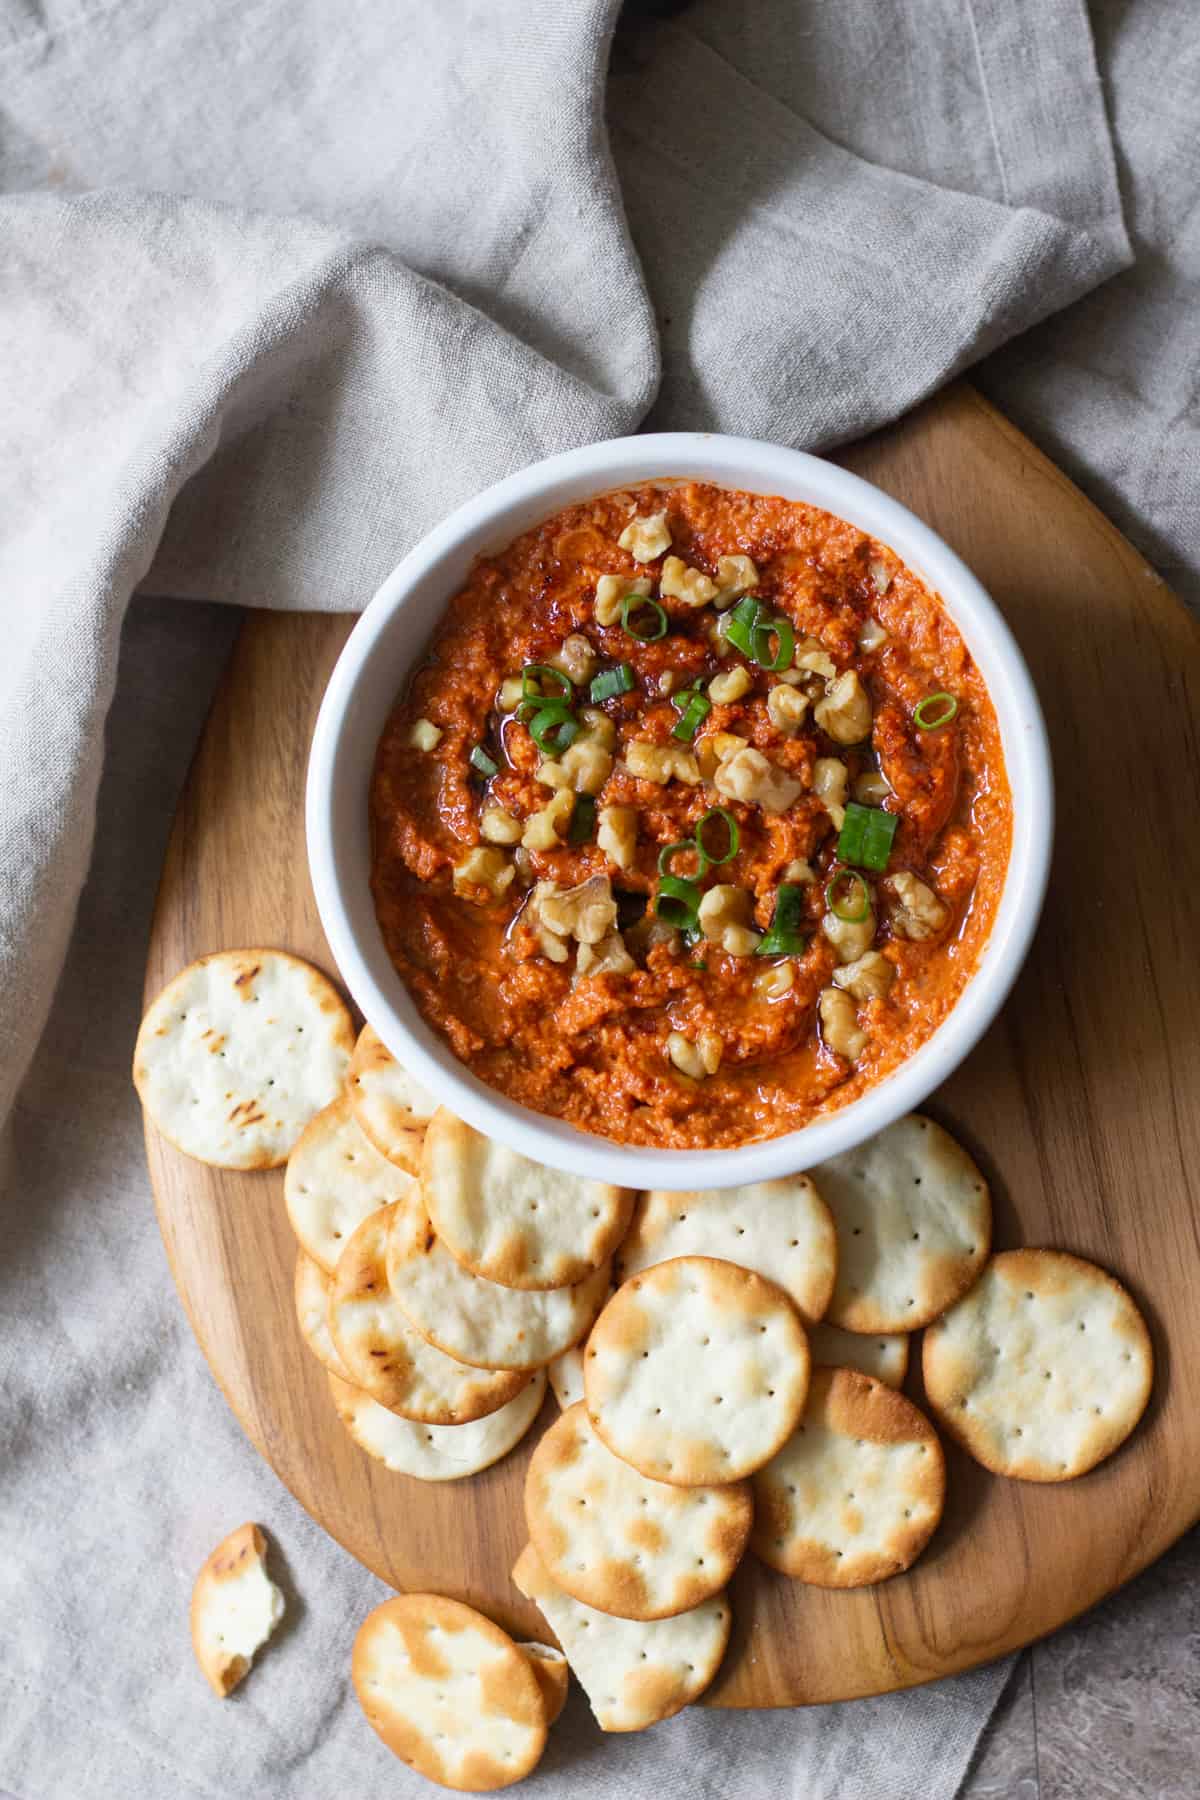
(519, 893)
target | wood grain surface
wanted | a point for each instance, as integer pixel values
(1082, 1104)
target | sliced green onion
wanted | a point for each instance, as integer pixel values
(867, 836)
(743, 621)
(479, 759)
(695, 711)
(698, 965)
(945, 708)
(552, 729)
(611, 682)
(635, 607)
(685, 845)
(537, 672)
(785, 937)
(733, 837)
(842, 904)
(761, 636)
(678, 902)
(583, 819)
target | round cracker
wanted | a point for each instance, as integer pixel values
(633, 1671)
(238, 1052)
(479, 1321)
(391, 1106)
(235, 1608)
(514, 1221)
(436, 1452)
(553, 1676)
(914, 1225)
(882, 1357)
(857, 1492)
(1043, 1369)
(783, 1229)
(335, 1179)
(624, 1544)
(696, 1371)
(388, 1359)
(566, 1376)
(311, 1292)
(449, 1693)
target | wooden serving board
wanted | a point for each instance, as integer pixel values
(1082, 1104)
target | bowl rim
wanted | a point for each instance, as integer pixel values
(492, 518)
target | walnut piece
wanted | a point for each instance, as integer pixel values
(776, 980)
(661, 763)
(545, 830)
(483, 868)
(724, 689)
(617, 834)
(829, 785)
(914, 910)
(699, 1059)
(845, 712)
(646, 537)
(608, 957)
(786, 708)
(584, 767)
(424, 735)
(692, 586)
(586, 912)
(839, 1024)
(736, 575)
(576, 659)
(611, 590)
(851, 938)
(869, 978)
(499, 826)
(725, 914)
(749, 776)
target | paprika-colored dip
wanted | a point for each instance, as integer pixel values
(694, 822)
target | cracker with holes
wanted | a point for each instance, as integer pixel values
(696, 1371)
(782, 1229)
(634, 1672)
(449, 1693)
(335, 1179)
(235, 1608)
(914, 1225)
(514, 1221)
(624, 1544)
(310, 1291)
(479, 1321)
(857, 1491)
(566, 1376)
(238, 1053)
(882, 1356)
(553, 1676)
(390, 1105)
(1043, 1369)
(436, 1452)
(391, 1361)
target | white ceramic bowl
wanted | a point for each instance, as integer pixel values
(391, 636)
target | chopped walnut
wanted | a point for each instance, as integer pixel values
(576, 658)
(867, 979)
(499, 826)
(881, 575)
(812, 656)
(483, 868)
(617, 834)
(872, 788)
(872, 635)
(851, 938)
(679, 582)
(611, 590)
(668, 681)
(786, 708)
(584, 766)
(751, 777)
(736, 575)
(424, 735)
(662, 762)
(914, 910)
(512, 692)
(798, 872)
(845, 712)
(725, 919)
(725, 689)
(646, 537)
(586, 912)
(608, 957)
(715, 749)
(776, 980)
(699, 1059)
(839, 1024)
(829, 785)
(544, 830)
(599, 727)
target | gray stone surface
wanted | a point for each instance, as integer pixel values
(1107, 1708)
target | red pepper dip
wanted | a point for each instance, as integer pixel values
(694, 823)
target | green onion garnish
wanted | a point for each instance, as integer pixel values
(945, 708)
(842, 904)
(533, 673)
(479, 759)
(678, 902)
(583, 819)
(698, 965)
(751, 628)
(611, 682)
(643, 619)
(670, 851)
(695, 710)
(742, 621)
(552, 729)
(785, 937)
(732, 838)
(866, 836)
